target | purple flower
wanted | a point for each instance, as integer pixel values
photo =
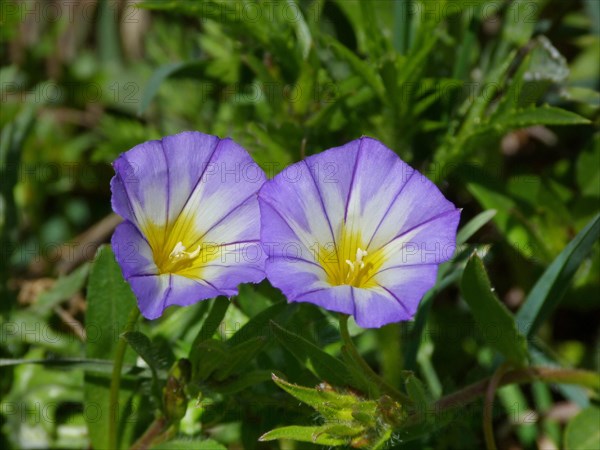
(192, 221)
(356, 230)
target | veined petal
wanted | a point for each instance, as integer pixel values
(140, 185)
(310, 197)
(377, 307)
(156, 292)
(230, 181)
(338, 298)
(418, 202)
(430, 242)
(132, 251)
(191, 217)
(406, 285)
(377, 216)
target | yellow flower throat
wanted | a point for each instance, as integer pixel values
(348, 262)
(177, 251)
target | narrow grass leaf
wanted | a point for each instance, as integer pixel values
(553, 284)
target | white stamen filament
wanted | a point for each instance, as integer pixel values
(179, 252)
(360, 254)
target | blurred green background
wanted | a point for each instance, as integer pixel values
(495, 101)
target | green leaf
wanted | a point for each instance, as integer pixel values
(588, 169)
(583, 431)
(328, 402)
(108, 33)
(64, 288)
(183, 443)
(314, 435)
(302, 31)
(417, 392)
(213, 320)
(160, 75)
(206, 357)
(258, 325)
(553, 284)
(474, 225)
(242, 382)
(323, 365)
(583, 95)
(491, 193)
(545, 115)
(148, 352)
(520, 21)
(360, 67)
(109, 302)
(517, 405)
(239, 356)
(494, 320)
(93, 365)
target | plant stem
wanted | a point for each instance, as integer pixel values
(488, 407)
(153, 435)
(472, 392)
(370, 373)
(115, 382)
(519, 376)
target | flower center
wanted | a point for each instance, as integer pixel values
(177, 252)
(347, 263)
(180, 259)
(358, 268)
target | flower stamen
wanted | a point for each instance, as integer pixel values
(179, 253)
(357, 268)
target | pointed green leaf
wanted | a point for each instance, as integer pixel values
(494, 320)
(310, 396)
(314, 435)
(213, 320)
(553, 284)
(243, 381)
(323, 364)
(474, 225)
(109, 302)
(239, 356)
(360, 67)
(147, 351)
(160, 75)
(206, 357)
(302, 31)
(92, 365)
(187, 443)
(258, 326)
(545, 115)
(517, 30)
(417, 392)
(64, 288)
(328, 402)
(583, 431)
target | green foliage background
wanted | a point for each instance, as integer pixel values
(495, 101)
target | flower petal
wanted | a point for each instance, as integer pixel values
(380, 216)
(430, 242)
(140, 185)
(187, 192)
(157, 292)
(376, 307)
(132, 251)
(230, 181)
(338, 298)
(397, 297)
